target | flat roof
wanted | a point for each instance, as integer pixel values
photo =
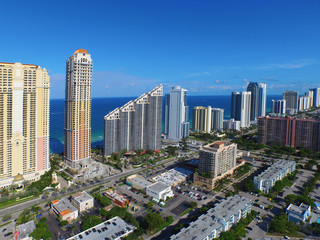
(25, 229)
(115, 195)
(63, 206)
(140, 181)
(114, 228)
(172, 176)
(274, 170)
(81, 196)
(158, 187)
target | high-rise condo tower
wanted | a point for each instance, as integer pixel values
(77, 112)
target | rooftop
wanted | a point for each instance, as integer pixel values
(298, 209)
(63, 206)
(114, 228)
(81, 196)
(172, 176)
(275, 170)
(24, 230)
(116, 196)
(214, 219)
(158, 187)
(140, 181)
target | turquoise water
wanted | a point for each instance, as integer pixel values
(102, 106)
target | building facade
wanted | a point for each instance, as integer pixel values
(262, 99)
(201, 119)
(219, 219)
(217, 119)
(241, 107)
(231, 125)
(24, 122)
(77, 115)
(292, 132)
(258, 99)
(292, 98)
(64, 209)
(82, 201)
(159, 191)
(277, 171)
(178, 125)
(136, 125)
(316, 97)
(299, 213)
(278, 107)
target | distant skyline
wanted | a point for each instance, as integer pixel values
(207, 47)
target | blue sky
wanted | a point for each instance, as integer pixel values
(208, 47)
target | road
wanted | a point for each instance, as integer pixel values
(28, 204)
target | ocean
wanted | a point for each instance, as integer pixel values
(102, 106)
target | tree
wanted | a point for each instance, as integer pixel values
(249, 186)
(64, 223)
(171, 150)
(193, 205)
(41, 231)
(90, 221)
(6, 217)
(227, 236)
(150, 204)
(152, 220)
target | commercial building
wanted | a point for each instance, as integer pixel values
(114, 228)
(201, 119)
(159, 191)
(217, 119)
(136, 125)
(241, 107)
(277, 171)
(173, 177)
(24, 123)
(82, 201)
(278, 107)
(177, 122)
(292, 132)
(117, 198)
(23, 231)
(316, 96)
(77, 115)
(299, 213)
(64, 209)
(217, 220)
(138, 182)
(231, 125)
(216, 160)
(291, 98)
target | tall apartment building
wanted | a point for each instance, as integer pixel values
(258, 99)
(293, 132)
(166, 113)
(77, 110)
(217, 119)
(217, 158)
(201, 119)
(292, 98)
(24, 123)
(278, 107)
(310, 94)
(316, 96)
(304, 103)
(231, 125)
(136, 125)
(177, 122)
(241, 107)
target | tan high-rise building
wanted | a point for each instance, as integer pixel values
(24, 123)
(201, 119)
(77, 116)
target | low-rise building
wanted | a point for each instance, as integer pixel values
(114, 228)
(138, 182)
(82, 201)
(23, 231)
(64, 209)
(173, 177)
(231, 125)
(217, 220)
(298, 213)
(277, 171)
(117, 198)
(159, 191)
